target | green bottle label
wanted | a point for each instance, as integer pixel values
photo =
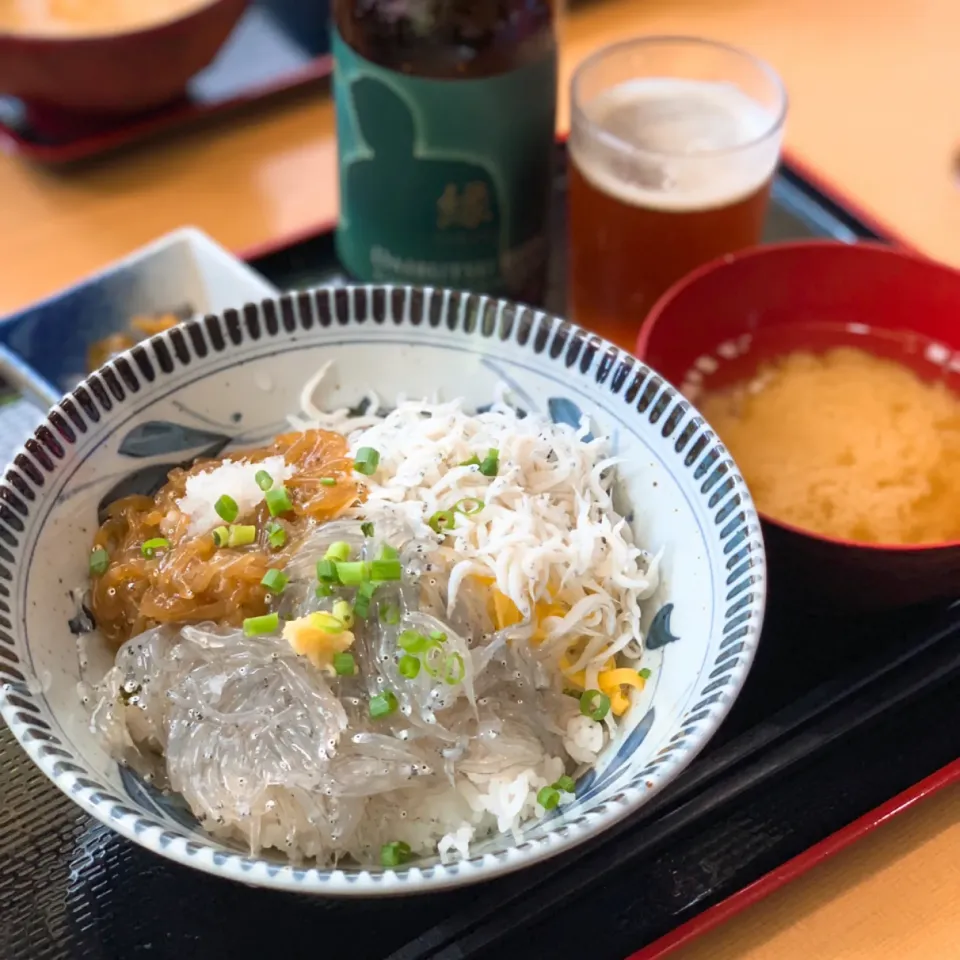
(445, 182)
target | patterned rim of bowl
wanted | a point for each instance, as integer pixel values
(310, 315)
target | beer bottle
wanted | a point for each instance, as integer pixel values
(445, 131)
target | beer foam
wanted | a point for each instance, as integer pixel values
(695, 144)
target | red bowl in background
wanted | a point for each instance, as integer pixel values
(113, 74)
(717, 324)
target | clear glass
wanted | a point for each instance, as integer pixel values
(673, 146)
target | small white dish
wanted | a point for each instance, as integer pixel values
(232, 379)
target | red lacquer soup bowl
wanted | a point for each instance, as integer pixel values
(719, 323)
(113, 73)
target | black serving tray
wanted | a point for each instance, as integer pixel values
(798, 211)
(837, 716)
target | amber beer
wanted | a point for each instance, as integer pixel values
(665, 174)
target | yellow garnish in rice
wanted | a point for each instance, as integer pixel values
(579, 677)
(612, 683)
(505, 611)
(611, 679)
(506, 614)
(318, 637)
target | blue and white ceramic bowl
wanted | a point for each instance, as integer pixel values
(230, 380)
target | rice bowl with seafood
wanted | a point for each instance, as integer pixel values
(224, 549)
(377, 638)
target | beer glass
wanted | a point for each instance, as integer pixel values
(673, 146)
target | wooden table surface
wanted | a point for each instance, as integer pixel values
(874, 88)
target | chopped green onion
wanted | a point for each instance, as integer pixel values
(338, 551)
(644, 673)
(383, 704)
(264, 480)
(324, 590)
(366, 529)
(468, 506)
(227, 508)
(367, 461)
(393, 854)
(438, 635)
(441, 520)
(220, 536)
(566, 784)
(275, 580)
(343, 612)
(328, 481)
(386, 552)
(383, 570)
(474, 461)
(151, 546)
(365, 593)
(594, 704)
(432, 658)
(241, 535)
(453, 669)
(361, 607)
(278, 501)
(548, 798)
(390, 613)
(344, 665)
(327, 571)
(409, 666)
(354, 573)
(276, 535)
(412, 641)
(491, 463)
(257, 626)
(99, 561)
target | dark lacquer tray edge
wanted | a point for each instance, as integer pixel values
(813, 856)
